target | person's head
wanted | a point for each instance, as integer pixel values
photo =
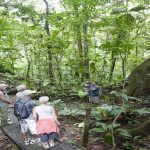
(28, 93)
(21, 87)
(86, 86)
(43, 99)
(3, 87)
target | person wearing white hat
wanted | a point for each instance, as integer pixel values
(4, 101)
(20, 88)
(46, 122)
(28, 124)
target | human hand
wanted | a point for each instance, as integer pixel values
(58, 123)
(10, 102)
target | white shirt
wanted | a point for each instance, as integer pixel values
(44, 111)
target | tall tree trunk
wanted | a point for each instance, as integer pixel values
(29, 66)
(136, 54)
(86, 51)
(32, 68)
(88, 109)
(50, 66)
(103, 76)
(12, 66)
(88, 106)
(113, 60)
(123, 66)
(79, 42)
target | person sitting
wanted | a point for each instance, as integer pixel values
(46, 122)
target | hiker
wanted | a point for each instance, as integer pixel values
(27, 124)
(46, 122)
(94, 93)
(4, 101)
(20, 90)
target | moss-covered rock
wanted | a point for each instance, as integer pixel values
(139, 80)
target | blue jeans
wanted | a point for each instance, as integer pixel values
(48, 136)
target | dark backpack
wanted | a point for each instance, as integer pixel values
(20, 109)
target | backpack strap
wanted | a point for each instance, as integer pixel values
(27, 108)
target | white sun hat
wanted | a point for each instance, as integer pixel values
(43, 99)
(3, 85)
(28, 92)
(21, 87)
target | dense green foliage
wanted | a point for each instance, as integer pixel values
(55, 51)
(88, 40)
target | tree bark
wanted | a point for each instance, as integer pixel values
(86, 125)
(86, 51)
(87, 77)
(79, 43)
(49, 53)
(29, 66)
(112, 67)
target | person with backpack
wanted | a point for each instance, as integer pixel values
(23, 111)
(20, 88)
(94, 93)
(46, 122)
(4, 101)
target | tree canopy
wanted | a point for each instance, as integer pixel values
(85, 40)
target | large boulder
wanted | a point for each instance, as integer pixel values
(139, 80)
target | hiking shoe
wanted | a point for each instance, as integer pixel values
(33, 141)
(38, 140)
(51, 143)
(27, 142)
(45, 146)
(9, 122)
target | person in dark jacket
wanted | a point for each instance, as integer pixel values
(94, 93)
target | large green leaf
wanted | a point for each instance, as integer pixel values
(138, 8)
(101, 130)
(143, 111)
(108, 138)
(82, 94)
(124, 133)
(118, 10)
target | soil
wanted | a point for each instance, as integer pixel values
(69, 132)
(6, 143)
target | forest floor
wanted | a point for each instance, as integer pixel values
(6, 143)
(72, 133)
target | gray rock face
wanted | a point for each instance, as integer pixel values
(139, 80)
